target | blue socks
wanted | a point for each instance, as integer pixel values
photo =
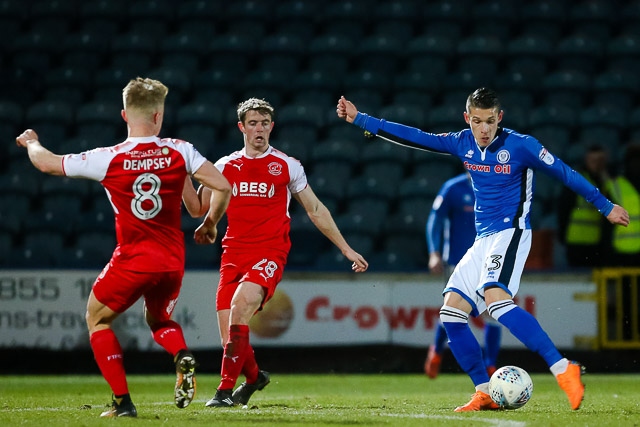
(463, 344)
(440, 339)
(492, 338)
(526, 328)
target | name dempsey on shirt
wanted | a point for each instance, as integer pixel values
(147, 164)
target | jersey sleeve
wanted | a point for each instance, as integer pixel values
(539, 158)
(192, 157)
(298, 180)
(92, 164)
(407, 135)
(435, 222)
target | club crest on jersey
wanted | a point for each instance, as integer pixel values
(275, 168)
(546, 156)
(503, 156)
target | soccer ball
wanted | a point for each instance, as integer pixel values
(510, 387)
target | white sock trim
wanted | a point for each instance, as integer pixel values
(453, 315)
(499, 308)
(560, 367)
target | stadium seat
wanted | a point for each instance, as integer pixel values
(480, 45)
(557, 138)
(51, 119)
(556, 115)
(307, 243)
(392, 28)
(363, 215)
(403, 223)
(445, 118)
(98, 121)
(407, 115)
(182, 50)
(568, 87)
(202, 113)
(379, 150)
(337, 169)
(412, 248)
(622, 53)
(579, 52)
(177, 79)
(332, 261)
(86, 50)
(41, 248)
(11, 221)
(296, 149)
(385, 261)
(368, 186)
(336, 150)
(420, 187)
(604, 115)
(93, 249)
(615, 87)
(231, 52)
(433, 46)
(53, 185)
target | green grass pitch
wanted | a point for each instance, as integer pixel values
(316, 400)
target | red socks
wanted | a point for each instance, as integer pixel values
(108, 355)
(238, 358)
(170, 337)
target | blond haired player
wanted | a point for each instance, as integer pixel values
(144, 179)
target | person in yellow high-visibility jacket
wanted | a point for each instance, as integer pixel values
(581, 228)
(625, 190)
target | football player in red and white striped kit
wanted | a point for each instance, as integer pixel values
(144, 179)
(256, 243)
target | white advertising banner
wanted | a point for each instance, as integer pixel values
(45, 309)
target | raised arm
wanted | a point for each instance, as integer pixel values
(322, 219)
(43, 159)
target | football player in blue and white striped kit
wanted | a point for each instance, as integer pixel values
(501, 163)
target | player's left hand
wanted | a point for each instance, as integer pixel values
(360, 264)
(618, 215)
(205, 234)
(26, 136)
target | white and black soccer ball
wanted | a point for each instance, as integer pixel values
(510, 387)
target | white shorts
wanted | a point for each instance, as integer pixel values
(495, 260)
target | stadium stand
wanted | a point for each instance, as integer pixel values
(566, 71)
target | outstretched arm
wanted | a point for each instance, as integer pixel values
(322, 219)
(43, 159)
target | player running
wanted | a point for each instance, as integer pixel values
(144, 179)
(501, 163)
(256, 243)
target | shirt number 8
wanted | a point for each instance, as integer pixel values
(146, 188)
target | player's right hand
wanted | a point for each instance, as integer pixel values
(205, 234)
(346, 110)
(26, 136)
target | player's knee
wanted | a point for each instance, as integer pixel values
(450, 314)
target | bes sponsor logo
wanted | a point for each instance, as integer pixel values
(253, 189)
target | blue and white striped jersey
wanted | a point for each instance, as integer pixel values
(502, 173)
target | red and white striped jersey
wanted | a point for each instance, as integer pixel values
(143, 178)
(258, 213)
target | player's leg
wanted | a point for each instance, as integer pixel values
(526, 328)
(436, 350)
(246, 301)
(522, 325)
(112, 293)
(158, 308)
(492, 338)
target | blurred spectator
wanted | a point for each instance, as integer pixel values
(625, 190)
(585, 233)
